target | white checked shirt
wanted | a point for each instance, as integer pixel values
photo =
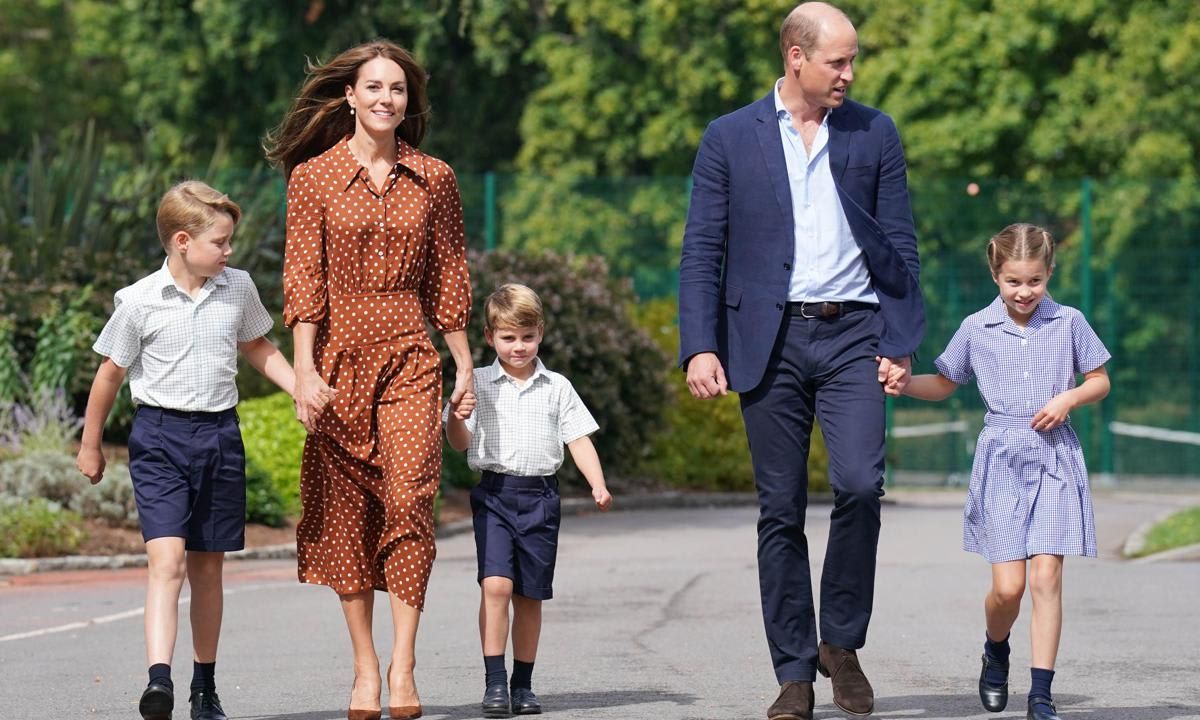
(521, 429)
(181, 352)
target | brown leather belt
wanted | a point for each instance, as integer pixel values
(826, 310)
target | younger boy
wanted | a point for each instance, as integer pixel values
(177, 333)
(514, 429)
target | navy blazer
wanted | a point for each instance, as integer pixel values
(735, 270)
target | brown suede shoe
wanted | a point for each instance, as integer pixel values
(795, 702)
(851, 690)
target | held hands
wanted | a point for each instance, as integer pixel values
(706, 377)
(310, 396)
(894, 374)
(90, 462)
(1054, 414)
(602, 497)
(462, 400)
(464, 407)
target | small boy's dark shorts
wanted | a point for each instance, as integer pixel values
(189, 477)
(516, 531)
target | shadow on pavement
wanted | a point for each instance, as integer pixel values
(964, 706)
(551, 703)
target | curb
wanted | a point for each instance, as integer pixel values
(570, 506)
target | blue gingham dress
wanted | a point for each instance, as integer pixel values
(1029, 489)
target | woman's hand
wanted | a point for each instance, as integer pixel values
(462, 400)
(311, 395)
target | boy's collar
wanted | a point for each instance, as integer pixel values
(164, 279)
(538, 370)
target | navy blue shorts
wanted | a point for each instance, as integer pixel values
(189, 477)
(516, 531)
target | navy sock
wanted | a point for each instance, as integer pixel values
(204, 676)
(522, 674)
(997, 652)
(493, 665)
(1039, 686)
(160, 674)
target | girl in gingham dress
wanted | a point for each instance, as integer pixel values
(1029, 502)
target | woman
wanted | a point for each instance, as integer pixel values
(375, 247)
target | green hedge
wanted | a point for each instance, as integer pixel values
(703, 443)
(37, 528)
(274, 442)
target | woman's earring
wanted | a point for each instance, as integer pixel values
(351, 111)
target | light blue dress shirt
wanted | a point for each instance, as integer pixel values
(828, 264)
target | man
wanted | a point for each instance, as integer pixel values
(798, 289)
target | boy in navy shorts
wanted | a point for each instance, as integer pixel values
(514, 429)
(177, 334)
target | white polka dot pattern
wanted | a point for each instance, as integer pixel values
(369, 267)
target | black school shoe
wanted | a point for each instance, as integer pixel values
(993, 697)
(1042, 709)
(495, 701)
(524, 702)
(157, 702)
(206, 706)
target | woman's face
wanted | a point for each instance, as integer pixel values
(379, 96)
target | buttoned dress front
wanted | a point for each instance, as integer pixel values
(1029, 490)
(369, 266)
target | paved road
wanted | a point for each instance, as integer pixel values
(657, 616)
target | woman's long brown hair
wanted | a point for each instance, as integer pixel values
(320, 117)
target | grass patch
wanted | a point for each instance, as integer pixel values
(1178, 530)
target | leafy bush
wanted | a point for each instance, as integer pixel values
(111, 501)
(703, 446)
(274, 443)
(52, 476)
(590, 338)
(46, 424)
(37, 528)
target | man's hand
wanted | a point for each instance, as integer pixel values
(706, 377)
(894, 373)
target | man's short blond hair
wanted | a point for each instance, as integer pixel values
(803, 26)
(513, 306)
(192, 206)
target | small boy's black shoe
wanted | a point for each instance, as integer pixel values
(495, 701)
(206, 706)
(1041, 708)
(993, 697)
(157, 702)
(524, 702)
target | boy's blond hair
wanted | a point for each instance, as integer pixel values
(512, 306)
(192, 206)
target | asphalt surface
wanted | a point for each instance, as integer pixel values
(656, 615)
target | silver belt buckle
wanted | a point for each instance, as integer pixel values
(804, 304)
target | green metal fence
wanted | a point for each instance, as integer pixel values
(1128, 257)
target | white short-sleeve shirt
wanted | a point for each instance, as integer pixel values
(181, 352)
(520, 429)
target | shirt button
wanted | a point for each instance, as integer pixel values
(1026, 373)
(778, 306)
(787, 266)
(1024, 342)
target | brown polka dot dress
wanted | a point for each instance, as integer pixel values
(369, 266)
